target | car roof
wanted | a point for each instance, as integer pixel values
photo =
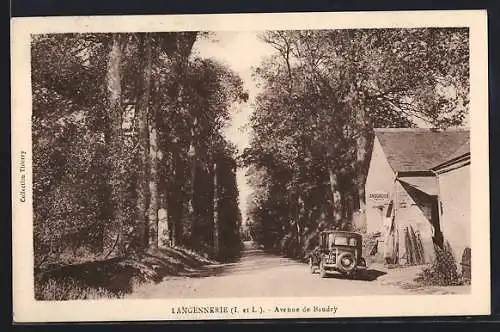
(342, 232)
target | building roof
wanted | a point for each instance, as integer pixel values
(417, 149)
(459, 158)
(461, 151)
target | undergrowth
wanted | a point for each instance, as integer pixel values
(116, 277)
(442, 272)
(57, 290)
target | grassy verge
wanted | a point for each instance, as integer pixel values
(113, 278)
(70, 289)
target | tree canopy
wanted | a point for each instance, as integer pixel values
(126, 126)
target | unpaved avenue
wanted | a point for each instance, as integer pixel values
(259, 274)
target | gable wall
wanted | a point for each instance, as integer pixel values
(456, 209)
(380, 179)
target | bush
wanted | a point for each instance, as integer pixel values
(442, 272)
(311, 242)
(53, 290)
(290, 246)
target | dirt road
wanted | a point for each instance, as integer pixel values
(259, 274)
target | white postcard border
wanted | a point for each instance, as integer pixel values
(26, 309)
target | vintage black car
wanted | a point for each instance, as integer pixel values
(338, 252)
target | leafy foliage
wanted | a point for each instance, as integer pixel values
(442, 272)
(88, 94)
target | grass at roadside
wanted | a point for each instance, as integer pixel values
(113, 278)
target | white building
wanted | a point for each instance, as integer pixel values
(402, 191)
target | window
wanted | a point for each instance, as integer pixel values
(341, 241)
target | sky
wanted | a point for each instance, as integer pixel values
(240, 51)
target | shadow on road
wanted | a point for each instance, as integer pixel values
(368, 275)
(371, 275)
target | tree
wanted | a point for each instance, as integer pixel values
(325, 91)
(154, 152)
(142, 124)
(115, 153)
(208, 94)
(72, 203)
(111, 141)
(227, 216)
(171, 65)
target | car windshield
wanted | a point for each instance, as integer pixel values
(340, 240)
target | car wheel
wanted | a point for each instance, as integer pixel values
(347, 262)
(322, 272)
(312, 268)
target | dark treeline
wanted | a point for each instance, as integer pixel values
(128, 151)
(323, 92)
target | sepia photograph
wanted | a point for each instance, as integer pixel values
(222, 167)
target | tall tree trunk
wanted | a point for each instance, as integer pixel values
(153, 183)
(361, 166)
(345, 187)
(176, 200)
(216, 223)
(105, 213)
(333, 186)
(361, 143)
(165, 170)
(142, 115)
(183, 45)
(300, 203)
(164, 165)
(193, 166)
(156, 206)
(361, 132)
(347, 216)
(115, 144)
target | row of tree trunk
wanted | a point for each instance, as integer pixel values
(152, 196)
